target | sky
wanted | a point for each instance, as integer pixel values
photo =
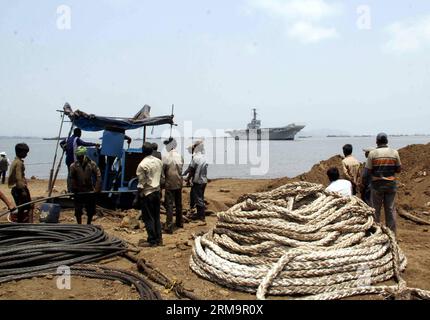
(355, 66)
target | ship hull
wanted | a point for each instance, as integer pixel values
(284, 133)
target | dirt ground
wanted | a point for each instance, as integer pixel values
(173, 258)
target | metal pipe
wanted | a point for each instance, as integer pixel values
(67, 195)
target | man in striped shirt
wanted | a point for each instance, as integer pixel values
(383, 163)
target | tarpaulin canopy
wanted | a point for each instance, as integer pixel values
(91, 122)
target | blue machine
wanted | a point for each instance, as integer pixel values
(117, 165)
(113, 143)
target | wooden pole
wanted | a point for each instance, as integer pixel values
(51, 174)
(59, 163)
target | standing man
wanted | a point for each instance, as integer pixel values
(155, 152)
(351, 168)
(197, 171)
(4, 166)
(173, 163)
(149, 173)
(383, 163)
(70, 146)
(85, 176)
(18, 183)
(366, 180)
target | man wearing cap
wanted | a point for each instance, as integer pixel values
(383, 163)
(4, 166)
(70, 146)
(85, 177)
(150, 172)
(173, 163)
(197, 172)
(18, 183)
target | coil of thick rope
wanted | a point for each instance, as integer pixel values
(143, 287)
(299, 240)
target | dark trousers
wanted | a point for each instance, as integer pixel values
(385, 198)
(69, 180)
(3, 176)
(170, 197)
(87, 202)
(25, 214)
(151, 217)
(366, 195)
(198, 199)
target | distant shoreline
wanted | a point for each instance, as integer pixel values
(299, 137)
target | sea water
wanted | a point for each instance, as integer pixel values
(227, 158)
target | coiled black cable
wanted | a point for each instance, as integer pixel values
(143, 287)
(29, 248)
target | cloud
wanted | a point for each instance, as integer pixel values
(307, 33)
(302, 17)
(298, 9)
(408, 36)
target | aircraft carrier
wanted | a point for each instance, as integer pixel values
(255, 132)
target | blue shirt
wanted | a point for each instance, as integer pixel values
(70, 145)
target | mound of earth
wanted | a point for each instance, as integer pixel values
(414, 186)
(414, 181)
(318, 174)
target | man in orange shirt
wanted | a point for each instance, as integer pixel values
(383, 163)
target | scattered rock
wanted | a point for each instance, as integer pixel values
(426, 230)
(131, 223)
(224, 293)
(117, 282)
(49, 277)
(33, 178)
(183, 246)
(224, 190)
(177, 255)
(419, 180)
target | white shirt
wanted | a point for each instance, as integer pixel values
(149, 174)
(344, 187)
(172, 167)
(200, 166)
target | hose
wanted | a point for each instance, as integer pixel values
(28, 248)
(143, 287)
(300, 240)
(66, 195)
